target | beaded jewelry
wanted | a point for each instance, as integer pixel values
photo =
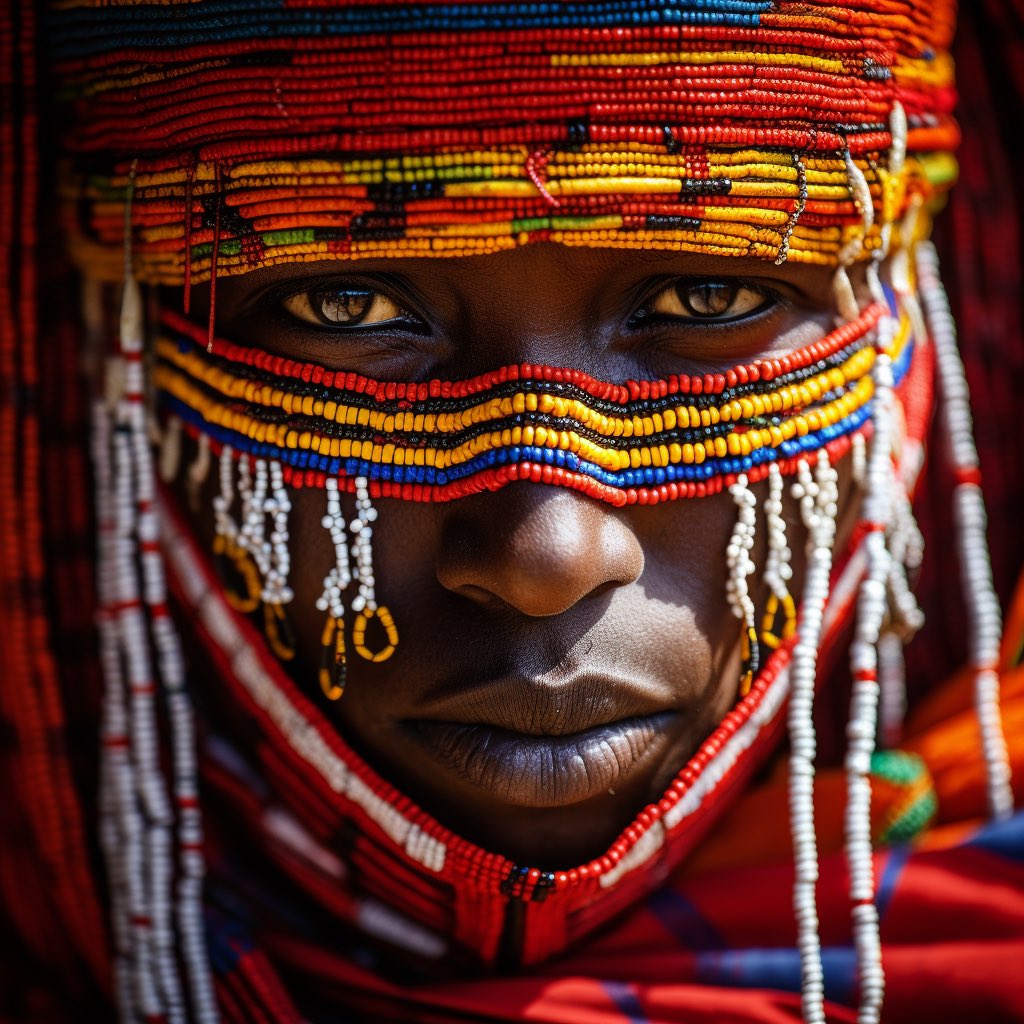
(740, 565)
(817, 494)
(140, 647)
(333, 662)
(983, 615)
(777, 569)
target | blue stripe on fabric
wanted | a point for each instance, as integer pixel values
(678, 916)
(77, 33)
(626, 1001)
(779, 969)
(1005, 838)
(891, 871)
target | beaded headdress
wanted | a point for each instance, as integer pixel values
(213, 138)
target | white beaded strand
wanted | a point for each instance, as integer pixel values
(362, 548)
(120, 824)
(817, 495)
(739, 563)
(140, 647)
(340, 575)
(862, 723)
(252, 536)
(170, 450)
(277, 506)
(983, 613)
(223, 522)
(777, 568)
(199, 470)
(149, 869)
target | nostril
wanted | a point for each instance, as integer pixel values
(536, 549)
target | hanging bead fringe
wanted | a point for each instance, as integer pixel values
(143, 834)
(863, 718)
(740, 566)
(364, 604)
(983, 613)
(817, 494)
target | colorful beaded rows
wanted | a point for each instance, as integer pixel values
(623, 443)
(269, 132)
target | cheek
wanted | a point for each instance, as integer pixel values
(671, 628)
(683, 607)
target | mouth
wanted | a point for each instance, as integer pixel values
(524, 769)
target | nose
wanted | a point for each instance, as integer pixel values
(535, 548)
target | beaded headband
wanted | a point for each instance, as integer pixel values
(260, 133)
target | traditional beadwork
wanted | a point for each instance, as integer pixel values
(639, 442)
(984, 617)
(817, 494)
(497, 125)
(785, 131)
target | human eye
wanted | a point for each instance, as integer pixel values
(707, 301)
(347, 305)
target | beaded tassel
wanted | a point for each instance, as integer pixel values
(364, 604)
(333, 660)
(199, 470)
(817, 495)
(740, 565)
(777, 568)
(862, 722)
(983, 614)
(262, 493)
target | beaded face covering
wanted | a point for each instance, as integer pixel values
(215, 138)
(635, 443)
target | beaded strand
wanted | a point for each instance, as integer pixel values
(817, 494)
(740, 565)
(983, 614)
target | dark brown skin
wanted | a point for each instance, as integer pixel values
(533, 614)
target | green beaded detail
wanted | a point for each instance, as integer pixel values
(909, 770)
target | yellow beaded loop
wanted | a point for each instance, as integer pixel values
(278, 631)
(382, 614)
(224, 548)
(333, 642)
(748, 645)
(769, 637)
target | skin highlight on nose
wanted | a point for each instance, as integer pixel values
(547, 551)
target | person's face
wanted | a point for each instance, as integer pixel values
(559, 659)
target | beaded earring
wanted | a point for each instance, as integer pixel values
(254, 566)
(236, 568)
(740, 565)
(333, 658)
(777, 569)
(333, 663)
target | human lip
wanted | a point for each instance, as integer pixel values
(532, 744)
